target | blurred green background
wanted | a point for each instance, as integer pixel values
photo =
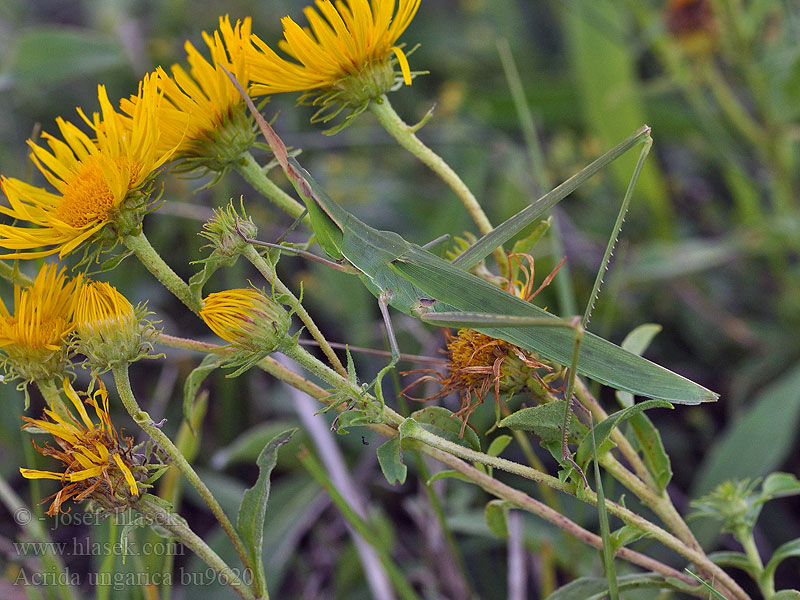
(709, 250)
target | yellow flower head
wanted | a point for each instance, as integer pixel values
(247, 318)
(102, 310)
(95, 179)
(32, 338)
(107, 327)
(98, 462)
(346, 57)
(203, 115)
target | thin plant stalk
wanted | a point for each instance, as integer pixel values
(146, 423)
(157, 514)
(406, 137)
(256, 176)
(268, 273)
(151, 259)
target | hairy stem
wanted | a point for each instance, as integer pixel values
(151, 259)
(256, 176)
(146, 423)
(52, 396)
(152, 509)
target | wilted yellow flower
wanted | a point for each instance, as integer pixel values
(96, 179)
(346, 57)
(32, 338)
(478, 363)
(203, 115)
(108, 327)
(97, 460)
(247, 318)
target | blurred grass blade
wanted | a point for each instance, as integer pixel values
(604, 69)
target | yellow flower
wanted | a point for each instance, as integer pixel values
(247, 318)
(32, 337)
(101, 309)
(96, 179)
(108, 327)
(96, 458)
(346, 57)
(203, 114)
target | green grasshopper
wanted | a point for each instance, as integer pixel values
(416, 282)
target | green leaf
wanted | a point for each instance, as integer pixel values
(498, 445)
(637, 342)
(780, 485)
(596, 588)
(625, 535)
(193, 382)
(391, 461)
(441, 421)
(603, 429)
(786, 595)
(546, 420)
(604, 65)
(769, 426)
(781, 553)
(496, 515)
(655, 456)
(252, 510)
(352, 418)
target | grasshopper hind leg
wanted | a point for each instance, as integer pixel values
(384, 299)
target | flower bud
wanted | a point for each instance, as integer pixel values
(225, 230)
(107, 327)
(247, 318)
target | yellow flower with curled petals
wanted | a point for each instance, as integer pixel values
(345, 59)
(97, 180)
(98, 462)
(203, 115)
(32, 337)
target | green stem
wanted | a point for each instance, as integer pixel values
(53, 398)
(14, 275)
(33, 528)
(268, 273)
(525, 502)
(405, 136)
(361, 528)
(151, 508)
(146, 423)
(140, 246)
(432, 440)
(256, 176)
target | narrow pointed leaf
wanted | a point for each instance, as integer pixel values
(253, 508)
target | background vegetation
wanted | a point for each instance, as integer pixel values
(709, 251)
